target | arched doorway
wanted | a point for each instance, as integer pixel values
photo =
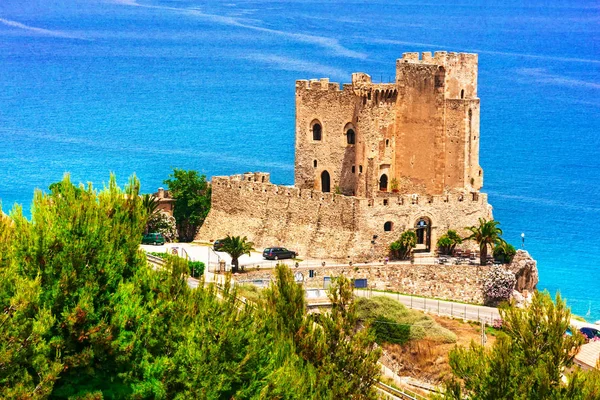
(423, 231)
(383, 183)
(325, 182)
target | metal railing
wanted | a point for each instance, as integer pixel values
(447, 308)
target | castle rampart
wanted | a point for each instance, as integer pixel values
(372, 160)
(328, 225)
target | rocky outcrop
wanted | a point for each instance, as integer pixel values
(525, 269)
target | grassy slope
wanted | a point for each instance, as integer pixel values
(421, 325)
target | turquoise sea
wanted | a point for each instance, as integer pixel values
(141, 86)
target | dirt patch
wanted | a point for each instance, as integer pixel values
(427, 360)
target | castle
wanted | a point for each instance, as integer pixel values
(372, 160)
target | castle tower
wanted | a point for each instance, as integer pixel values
(419, 134)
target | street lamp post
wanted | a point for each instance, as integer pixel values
(522, 240)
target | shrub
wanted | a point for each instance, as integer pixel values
(162, 222)
(504, 252)
(498, 285)
(389, 331)
(196, 268)
(448, 241)
(421, 326)
(401, 248)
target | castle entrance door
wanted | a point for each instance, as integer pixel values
(423, 231)
(325, 182)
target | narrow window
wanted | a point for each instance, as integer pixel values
(387, 227)
(353, 169)
(317, 131)
(385, 202)
(462, 93)
(387, 142)
(325, 183)
(350, 136)
(360, 169)
(315, 163)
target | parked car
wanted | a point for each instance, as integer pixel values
(278, 253)
(218, 245)
(590, 333)
(153, 238)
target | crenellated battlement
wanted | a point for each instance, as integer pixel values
(438, 58)
(322, 84)
(380, 141)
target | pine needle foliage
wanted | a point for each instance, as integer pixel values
(85, 317)
(527, 361)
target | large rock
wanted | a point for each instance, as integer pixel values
(525, 269)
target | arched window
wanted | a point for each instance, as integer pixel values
(325, 182)
(462, 93)
(317, 131)
(383, 183)
(350, 136)
(387, 227)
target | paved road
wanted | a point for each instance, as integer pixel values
(440, 307)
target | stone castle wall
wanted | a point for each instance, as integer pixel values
(448, 282)
(327, 225)
(421, 130)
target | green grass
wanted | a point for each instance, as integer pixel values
(421, 325)
(421, 297)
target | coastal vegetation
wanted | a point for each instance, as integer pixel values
(487, 235)
(85, 317)
(448, 242)
(402, 248)
(192, 201)
(528, 360)
(236, 246)
(392, 322)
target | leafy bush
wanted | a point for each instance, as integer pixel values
(196, 268)
(401, 248)
(388, 330)
(162, 222)
(421, 325)
(504, 252)
(448, 241)
(164, 256)
(498, 285)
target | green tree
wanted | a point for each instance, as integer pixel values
(340, 359)
(150, 206)
(504, 252)
(236, 246)
(401, 248)
(85, 317)
(486, 234)
(527, 361)
(192, 201)
(448, 241)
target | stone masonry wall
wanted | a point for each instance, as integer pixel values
(449, 282)
(326, 225)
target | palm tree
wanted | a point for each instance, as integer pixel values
(486, 234)
(150, 206)
(236, 247)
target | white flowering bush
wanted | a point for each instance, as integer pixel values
(498, 285)
(162, 222)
